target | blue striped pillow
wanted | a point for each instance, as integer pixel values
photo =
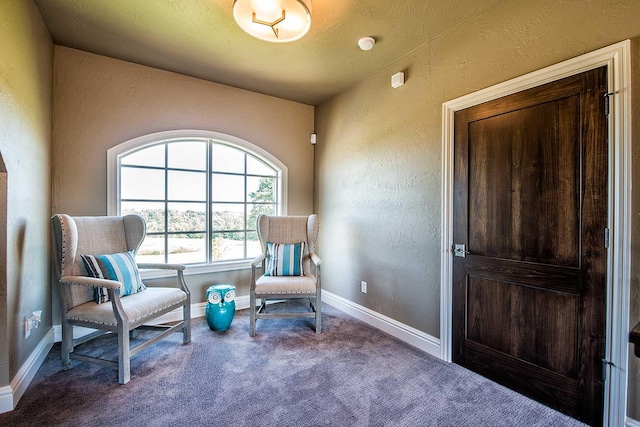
(120, 267)
(285, 259)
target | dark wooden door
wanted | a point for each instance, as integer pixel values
(530, 206)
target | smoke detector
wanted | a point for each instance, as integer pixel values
(366, 43)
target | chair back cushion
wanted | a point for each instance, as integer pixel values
(120, 267)
(289, 229)
(285, 259)
(76, 236)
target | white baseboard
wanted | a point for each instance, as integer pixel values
(408, 334)
(78, 332)
(10, 395)
(6, 399)
(632, 423)
(197, 310)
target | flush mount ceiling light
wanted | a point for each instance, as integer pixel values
(276, 21)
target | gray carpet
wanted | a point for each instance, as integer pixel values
(350, 375)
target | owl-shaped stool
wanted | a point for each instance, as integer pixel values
(221, 306)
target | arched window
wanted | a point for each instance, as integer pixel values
(200, 194)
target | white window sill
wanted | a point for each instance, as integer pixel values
(243, 264)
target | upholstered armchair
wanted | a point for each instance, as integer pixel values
(94, 260)
(290, 267)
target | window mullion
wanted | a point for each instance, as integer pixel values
(246, 196)
(166, 202)
(209, 208)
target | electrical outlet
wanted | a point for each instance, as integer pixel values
(32, 322)
(363, 287)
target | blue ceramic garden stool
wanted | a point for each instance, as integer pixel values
(221, 306)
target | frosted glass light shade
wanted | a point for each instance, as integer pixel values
(276, 21)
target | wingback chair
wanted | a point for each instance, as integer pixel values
(100, 238)
(287, 274)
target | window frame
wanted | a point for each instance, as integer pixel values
(115, 153)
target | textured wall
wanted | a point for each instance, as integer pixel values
(378, 195)
(26, 62)
(101, 102)
(378, 157)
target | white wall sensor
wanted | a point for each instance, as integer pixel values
(397, 80)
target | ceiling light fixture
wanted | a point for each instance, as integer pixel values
(276, 21)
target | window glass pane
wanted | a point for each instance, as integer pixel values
(187, 155)
(187, 185)
(227, 216)
(253, 245)
(151, 156)
(227, 188)
(187, 248)
(187, 217)
(227, 159)
(258, 167)
(254, 210)
(152, 212)
(143, 184)
(151, 250)
(176, 201)
(227, 246)
(261, 189)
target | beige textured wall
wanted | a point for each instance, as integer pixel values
(101, 102)
(378, 157)
(26, 63)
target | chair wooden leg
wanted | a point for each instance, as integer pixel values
(66, 345)
(186, 331)
(124, 360)
(318, 313)
(252, 314)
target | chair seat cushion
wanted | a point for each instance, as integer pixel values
(286, 285)
(136, 307)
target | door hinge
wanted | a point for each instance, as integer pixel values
(606, 238)
(606, 102)
(606, 363)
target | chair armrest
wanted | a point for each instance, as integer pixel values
(257, 260)
(160, 266)
(316, 259)
(179, 268)
(90, 281)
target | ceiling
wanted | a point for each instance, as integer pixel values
(199, 38)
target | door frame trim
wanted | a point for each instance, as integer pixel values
(617, 59)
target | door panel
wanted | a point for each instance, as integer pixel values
(547, 319)
(530, 204)
(528, 160)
